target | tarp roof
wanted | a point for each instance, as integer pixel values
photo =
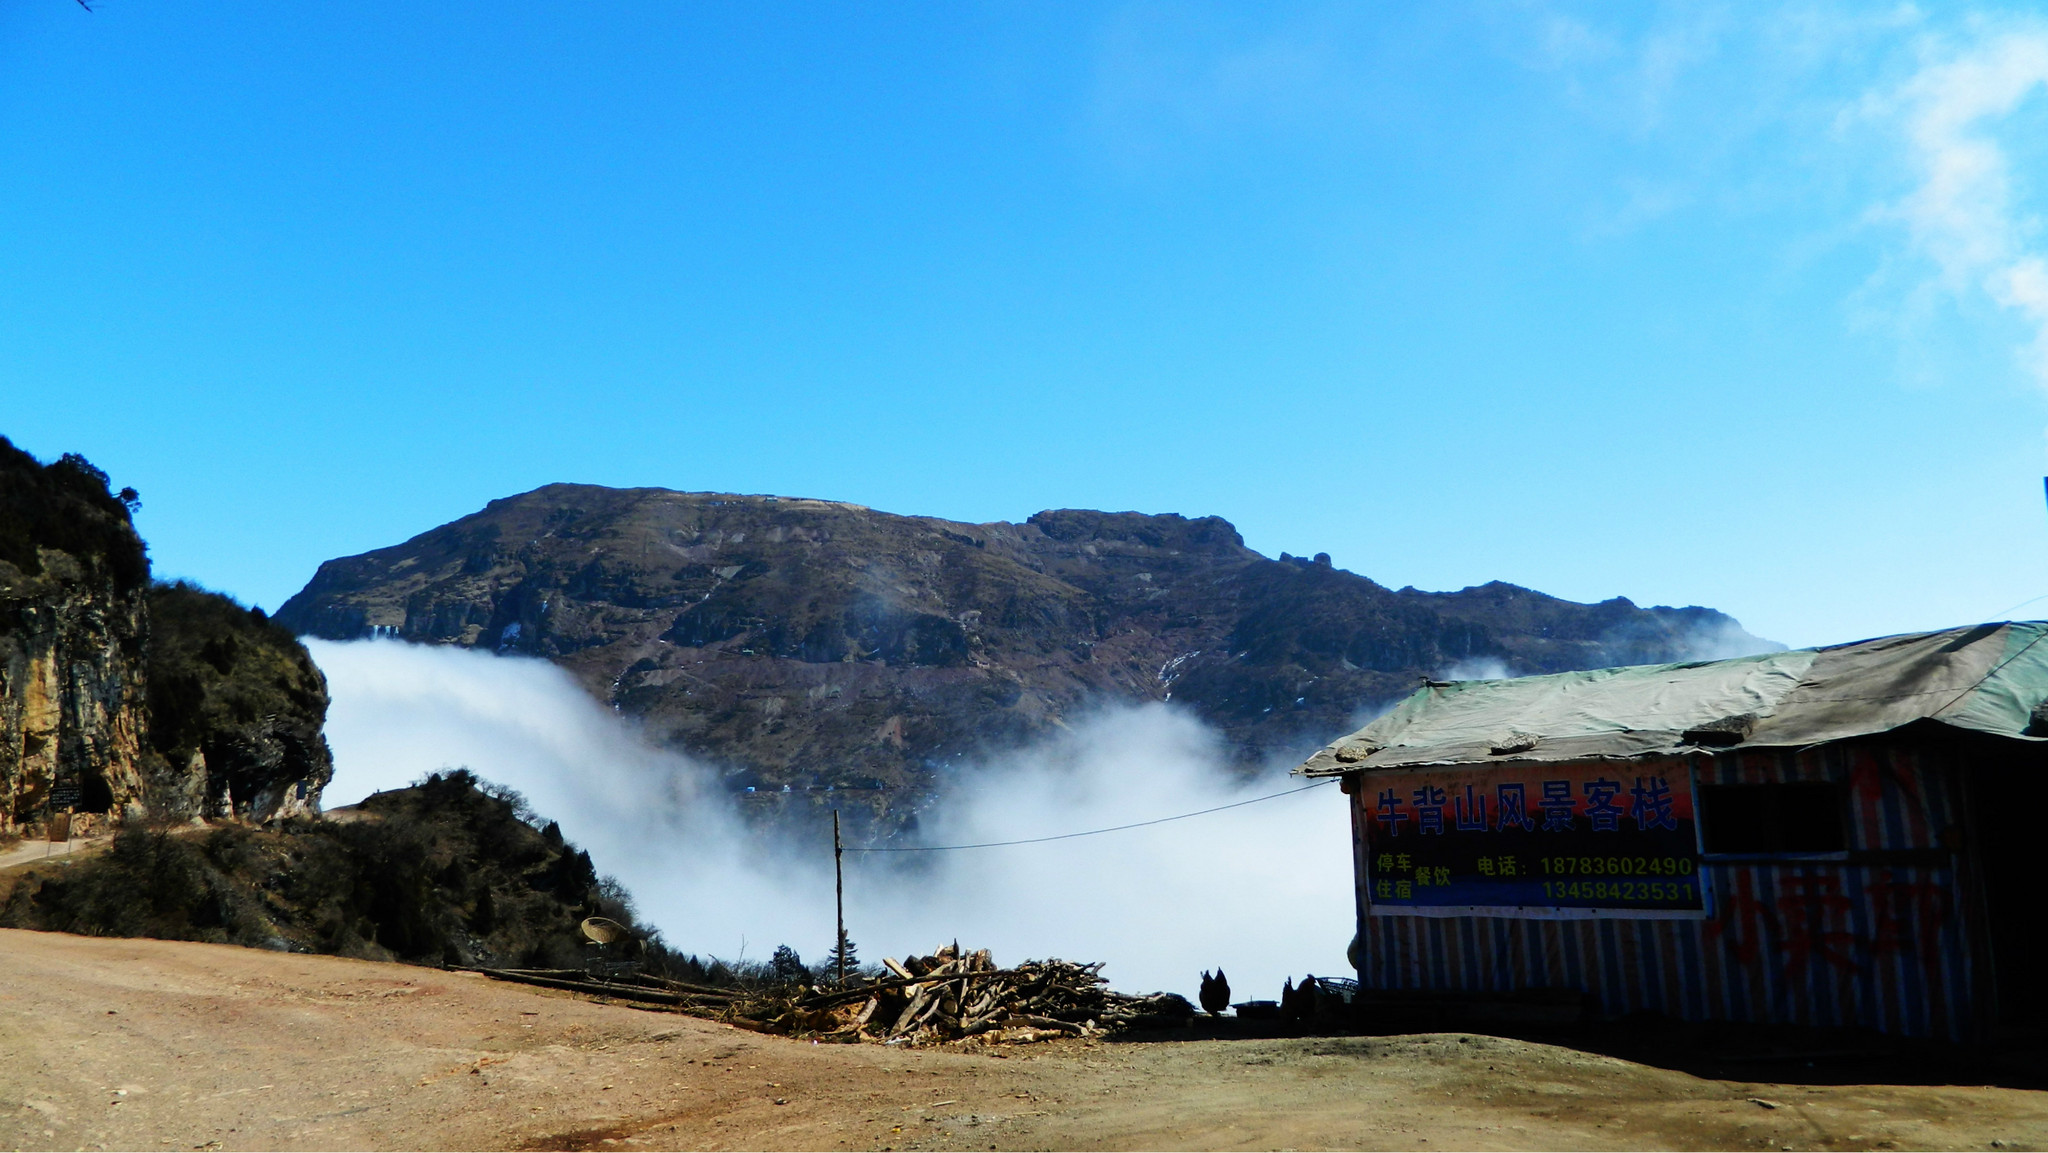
(1987, 678)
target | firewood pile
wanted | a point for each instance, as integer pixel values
(948, 996)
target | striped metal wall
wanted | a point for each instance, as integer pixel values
(1881, 945)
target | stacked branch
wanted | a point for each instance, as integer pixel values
(640, 987)
(952, 995)
(948, 996)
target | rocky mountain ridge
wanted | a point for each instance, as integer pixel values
(809, 643)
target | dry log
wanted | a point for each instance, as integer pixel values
(908, 1017)
(581, 975)
(606, 989)
(847, 996)
(1037, 1022)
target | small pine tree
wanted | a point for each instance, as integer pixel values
(843, 959)
(787, 966)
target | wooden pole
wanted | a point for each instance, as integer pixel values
(839, 896)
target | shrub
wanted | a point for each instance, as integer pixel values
(443, 872)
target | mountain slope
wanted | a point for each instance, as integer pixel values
(808, 642)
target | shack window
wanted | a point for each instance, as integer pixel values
(1793, 817)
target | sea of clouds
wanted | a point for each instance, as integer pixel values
(1263, 891)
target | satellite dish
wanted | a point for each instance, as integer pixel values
(604, 930)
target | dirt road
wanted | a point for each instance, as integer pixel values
(43, 852)
(162, 1045)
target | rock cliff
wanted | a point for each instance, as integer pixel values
(73, 626)
(120, 698)
(810, 643)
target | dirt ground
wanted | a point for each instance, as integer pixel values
(21, 853)
(164, 1045)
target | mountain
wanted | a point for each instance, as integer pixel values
(121, 697)
(809, 643)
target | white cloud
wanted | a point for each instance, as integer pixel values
(1264, 890)
(1477, 669)
(1966, 213)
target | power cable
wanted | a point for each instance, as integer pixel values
(1087, 833)
(1996, 669)
(2001, 614)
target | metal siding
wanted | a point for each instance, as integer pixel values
(1822, 943)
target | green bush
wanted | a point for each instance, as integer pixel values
(443, 872)
(226, 681)
(67, 506)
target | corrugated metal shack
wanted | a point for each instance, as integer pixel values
(1845, 836)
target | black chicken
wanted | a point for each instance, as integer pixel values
(1298, 1002)
(1215, 992)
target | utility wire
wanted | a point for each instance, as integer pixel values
(1088, 833)
(1999, 668)
(2001, 613)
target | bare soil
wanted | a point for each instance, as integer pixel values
(140, 1044)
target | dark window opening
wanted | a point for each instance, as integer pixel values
(1795, 817)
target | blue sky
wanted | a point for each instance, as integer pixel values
(1739, 306)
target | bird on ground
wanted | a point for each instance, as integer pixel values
(1298, 1002)
(1215, 993)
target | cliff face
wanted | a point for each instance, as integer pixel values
(70, 696)
(807, 643)
(119, 698)
(73, 626)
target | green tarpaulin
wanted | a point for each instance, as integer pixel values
(1988, 678)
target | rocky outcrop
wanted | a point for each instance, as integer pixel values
(120, 699)
(812, 644)
(73, 629)
(70, 697)
(236, 708)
